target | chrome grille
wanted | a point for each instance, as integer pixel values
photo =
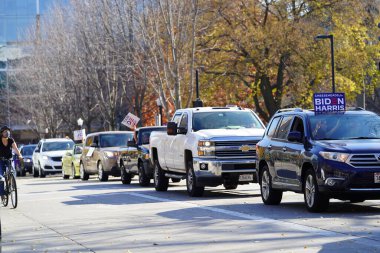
(365, 161)
(232, 149)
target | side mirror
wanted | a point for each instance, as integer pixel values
(94, 145)
(295, 136)
(132, 144)
(171, 128)
(37, 150)
(182, 130)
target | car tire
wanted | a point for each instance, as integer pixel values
(315, 201)
(102, 176)
(41, 172)
(176, 180)
(63, 174)
(35, 171)
(191, 182)
(84, 176)
(126, 178)
(269, 195)
(161, 182)
(144, 180)
(230, 186)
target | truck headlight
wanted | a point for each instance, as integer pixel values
(45, 157)
(206, 148)
(335, 156)
(111, 154)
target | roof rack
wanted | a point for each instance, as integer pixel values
(289, 110)
(355, 109)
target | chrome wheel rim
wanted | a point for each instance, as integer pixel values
(265, 184)
(156, 175)
(309, 191)
(190, 180)
(81, 171)
(100, 171)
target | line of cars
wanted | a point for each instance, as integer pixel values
(323, 156)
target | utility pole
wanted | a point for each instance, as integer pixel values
(38, 24)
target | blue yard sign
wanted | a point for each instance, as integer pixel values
(329, 102)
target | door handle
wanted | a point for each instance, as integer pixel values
(284, 149)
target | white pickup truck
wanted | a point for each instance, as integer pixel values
(207, 146)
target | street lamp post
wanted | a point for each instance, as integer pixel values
(159, 104)
(331, 37)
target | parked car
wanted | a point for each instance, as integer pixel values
(144, 166)
(322, 156)
(207, 146)
(47, 157)
(71, 162)
(27, 164)
(101, 153)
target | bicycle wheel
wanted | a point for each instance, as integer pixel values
(13, 191)
(4, 198)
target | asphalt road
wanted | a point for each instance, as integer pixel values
(56, 215)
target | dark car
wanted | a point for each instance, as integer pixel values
(322, 156)
(144, 166)
(27, 165)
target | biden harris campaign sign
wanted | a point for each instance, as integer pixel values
(329, 102)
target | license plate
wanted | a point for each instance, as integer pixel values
(249, 177)
(377, 178)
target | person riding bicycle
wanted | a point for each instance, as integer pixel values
(6, 145)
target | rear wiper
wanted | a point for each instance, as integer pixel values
(362, 138)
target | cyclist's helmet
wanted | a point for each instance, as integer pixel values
(4, 128)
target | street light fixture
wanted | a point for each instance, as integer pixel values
(331, 37)
(80, 122)
(159, 104)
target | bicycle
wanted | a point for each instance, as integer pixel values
(10, 186)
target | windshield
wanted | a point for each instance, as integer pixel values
(225, 120)
(28, 150)
(115, 140)
(144, 135)
(345, 127)
(56, 146)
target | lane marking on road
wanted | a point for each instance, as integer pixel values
(286, 224)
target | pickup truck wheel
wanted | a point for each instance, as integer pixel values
(315, 201)
(144, 180)
(230, 186)
(161, 182)
(102, 176)
(269, 195)
(191, 182)
(126, 178)
(35, 172)
(84, 176)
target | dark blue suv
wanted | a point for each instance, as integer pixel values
(322, 156)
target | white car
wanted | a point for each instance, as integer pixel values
(47, 157)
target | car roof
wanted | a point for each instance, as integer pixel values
(57, 140)
(311, 112)
(110, 132)
(150, 127)
(213, 109)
